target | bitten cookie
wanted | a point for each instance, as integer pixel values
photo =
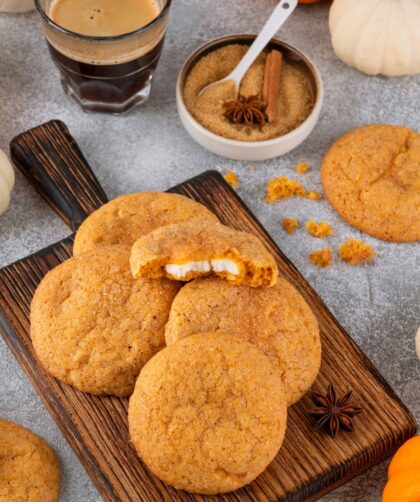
(29, 470)
(185, 251)
(93, 326)
(277, 320)
(371, 176)
(208, 413)
(127, 218)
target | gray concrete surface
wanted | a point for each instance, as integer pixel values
(378, 303)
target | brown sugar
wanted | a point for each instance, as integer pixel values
(302, 168)
(231, 178)
(290, 225)
(284, 188)
(319, 230)
(322, 258)
(354, 251)
(295, 99)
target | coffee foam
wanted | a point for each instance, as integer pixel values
(106, 52)
(103, 17)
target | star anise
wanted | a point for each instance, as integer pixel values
(333, 413)
(249, 111)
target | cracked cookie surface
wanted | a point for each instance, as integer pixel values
(29, 470)
(93, 326)
(208, 413)
(126, 218)
(371, 176)
(277, 320)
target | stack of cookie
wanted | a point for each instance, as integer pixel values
(207, 412)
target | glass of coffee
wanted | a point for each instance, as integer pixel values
(106, 50)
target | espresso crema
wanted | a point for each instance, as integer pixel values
(103, 18)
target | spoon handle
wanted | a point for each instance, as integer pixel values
(275, 21)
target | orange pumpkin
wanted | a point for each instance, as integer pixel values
(404, 474)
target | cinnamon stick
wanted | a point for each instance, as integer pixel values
(273, 64)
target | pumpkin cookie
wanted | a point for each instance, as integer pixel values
(29, 470)
(277, 320)
(208, 413)
(127, 218)
(93, 326)
(371, 176)
(185, 251)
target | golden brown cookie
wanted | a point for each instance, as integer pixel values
(371, 176)
(29, 470)
(277, 320)
(185, 251)
(127, 218)
(208, 413)
(93, 326)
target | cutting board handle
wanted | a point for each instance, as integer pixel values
(51, 160)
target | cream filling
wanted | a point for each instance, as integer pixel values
(225, 265)
(182, 270)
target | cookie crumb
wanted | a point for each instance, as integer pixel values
(284, 188)
(290, 225)
(252, 169)
(302, 168)
(319, 230)
(313, 195)
(322, 258)
(231, 178)
(354, 251)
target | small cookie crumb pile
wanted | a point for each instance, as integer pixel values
(290, 225)
(319, 230)
(231, 178)
(354, 251)
(284, 188)
(302, 168)
(322, 258)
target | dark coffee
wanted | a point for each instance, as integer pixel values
(106, 87)
(106, 51)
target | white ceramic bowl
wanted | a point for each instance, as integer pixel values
(249, 150)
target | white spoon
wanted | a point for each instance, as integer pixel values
(275, 21)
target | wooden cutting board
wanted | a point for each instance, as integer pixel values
(308, 465)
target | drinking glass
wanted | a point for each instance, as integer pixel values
(106, 74)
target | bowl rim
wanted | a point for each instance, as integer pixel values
(193, 56)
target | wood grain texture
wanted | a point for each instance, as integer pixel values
(308, 465)
(49, 157)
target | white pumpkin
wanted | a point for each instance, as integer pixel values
(7, 180)
(16, 5)
(377, 36)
